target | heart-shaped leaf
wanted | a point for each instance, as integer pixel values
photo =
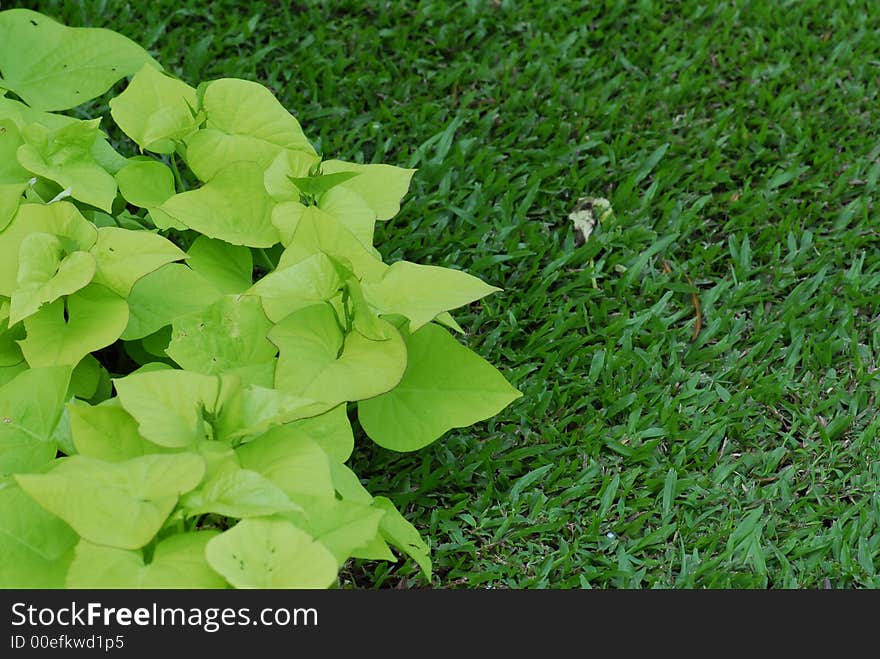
(380, 186)
(234, 206)
(244, 122)
(236, 492)
(172, 407)
(421, 292)
(294, 462)
(156, 110)
(145, 183)
(264, 553)
(178, 562)
(119, 504)
(124, 256)
(60, 219)
(65, 156)
(30, 408)
(229, 334)
(55, 67)
(46, 272)
(445, 386)
(159, 298)
(318, 361)
(68, 329)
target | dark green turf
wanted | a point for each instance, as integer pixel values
(739, 143)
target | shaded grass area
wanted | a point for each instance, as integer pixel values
(739, 145)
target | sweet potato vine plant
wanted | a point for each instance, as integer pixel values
(177, 365)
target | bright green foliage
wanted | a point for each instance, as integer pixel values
(319, 361)
(422, 292)
(228, 335)
(178, 562)
(54, 67)
(124, 257)
(156, 110)
(245, 122)
(65, 157)
(262, 553)
(234, 206)
(178, 363)
(229, 268)
(119, 504)
(46, 273)
(30, 409)
(445, 386)
(70, 328)
(36, 546)
(145, 182)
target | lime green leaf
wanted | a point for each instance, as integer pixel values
(145, 183)
(260, 375)
(62, 435)
(10, 197)
(445, 386)
(244, 122)
(285, 290)
(291, 460)
(120, 504)
(178, 562)
(286, 166)
(381, 186)
(159, 298)
(46, 272)
(403, 535)
(251, 410)
(447, 320)
(155, 110)
(23, 116)
(11, 173)
(171, 406)
(421, 292)
(341, 526)
(362, 316)
(36, 547)
(30, 408)
(309, 230)
(107, 432)
(61, 219)
(55, 67)
(10, 352)
(68, 329)
(8, 373)
(236, 492)
(65, 157)
(125, 256)
(319, 184)
(318, 362)
(229, 334)
(86, 378)
(228, 267)
(351, 210)
(331, 430)
(234, 206)
(157, 343)
(376, 549)
(263, 553)
(348, 485)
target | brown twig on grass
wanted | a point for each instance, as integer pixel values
(698, 309)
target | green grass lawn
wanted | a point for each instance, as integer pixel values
(739, 144)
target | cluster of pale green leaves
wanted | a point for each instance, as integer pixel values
(213, 453)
